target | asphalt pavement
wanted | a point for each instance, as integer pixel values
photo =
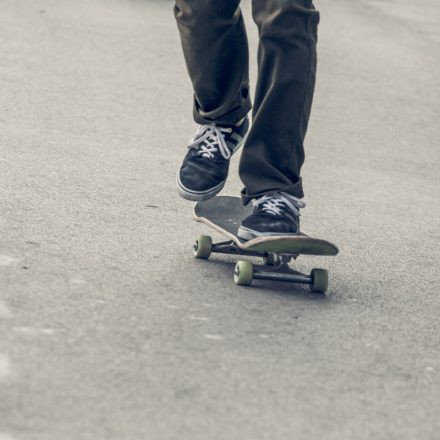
(109, 329)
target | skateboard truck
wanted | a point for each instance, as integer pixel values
(275, 266)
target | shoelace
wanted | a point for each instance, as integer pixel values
(274, 204)
(209, 138)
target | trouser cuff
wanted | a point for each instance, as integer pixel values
(218, 116)
(295, 190)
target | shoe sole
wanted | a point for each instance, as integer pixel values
(201, 196)
(249, 234)
(197, 196)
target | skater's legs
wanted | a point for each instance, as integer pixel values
(215, 47)
(273, 153)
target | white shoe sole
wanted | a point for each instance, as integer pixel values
(248, 234)
(197, 196)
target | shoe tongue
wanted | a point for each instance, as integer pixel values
(272, 209)
(215, 152)
(211, 152)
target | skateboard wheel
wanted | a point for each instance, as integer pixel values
(203, 246)
(319, 280)
(243, 273)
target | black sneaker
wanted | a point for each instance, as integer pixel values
(274, 214)
(205, 167)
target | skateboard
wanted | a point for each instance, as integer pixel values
(225, 213)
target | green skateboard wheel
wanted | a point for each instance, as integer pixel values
(203, 246)
(319, 280)
(243, 273)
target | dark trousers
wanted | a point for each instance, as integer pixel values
(216, 53)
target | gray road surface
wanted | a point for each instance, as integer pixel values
(108, 327)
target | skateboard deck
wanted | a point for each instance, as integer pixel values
(225, 213)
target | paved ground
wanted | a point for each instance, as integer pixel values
(108, 327)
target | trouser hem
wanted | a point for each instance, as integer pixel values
(229, 118)
(295, 190)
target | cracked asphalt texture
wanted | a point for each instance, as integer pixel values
(109, 329)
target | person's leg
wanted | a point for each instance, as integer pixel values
(215, 47)
(273, 153)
